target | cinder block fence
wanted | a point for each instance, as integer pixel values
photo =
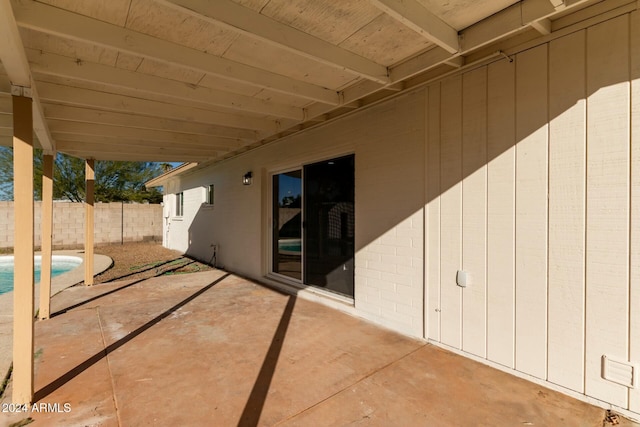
(114, 223)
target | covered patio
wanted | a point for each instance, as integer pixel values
(213, 348)
(494, 157)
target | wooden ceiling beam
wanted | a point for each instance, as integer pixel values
(134, 121)
(495, 27)
(542, 26)
(260, 27)
(51, 20)
(414, 15)
(141, 141)
(62, 66)
(14, 61)
(158, 156)
(511, 20)
(61, 126)
(118, 103)
(93, 144)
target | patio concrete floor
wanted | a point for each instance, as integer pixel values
(212, 348)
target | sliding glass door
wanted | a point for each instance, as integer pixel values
(329, 225)
(314, 224)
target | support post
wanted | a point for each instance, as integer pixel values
(23, 295)
(89, 176)
(47, 236)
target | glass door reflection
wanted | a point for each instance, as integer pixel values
(287, 224)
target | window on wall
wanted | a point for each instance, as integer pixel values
(209, 195)
(179, 204)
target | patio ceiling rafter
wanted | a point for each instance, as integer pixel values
(64, 113)
(14, 61)
(88, 145)
(417, 17)
(521, 16)
(51, 20)
(156, 156)
(61, 66)
(56, 93)
(260, 27)
(87, 129)
(125, 75)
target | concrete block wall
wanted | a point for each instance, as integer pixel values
(389, 215)
(6, 224)
(114, 223)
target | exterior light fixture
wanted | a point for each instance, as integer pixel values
(247, 178)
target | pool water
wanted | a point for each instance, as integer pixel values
(59, 264)
(294, 247)
(290, 245)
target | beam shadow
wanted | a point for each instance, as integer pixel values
(255, 404)
(81, 303)
(65, 378)
(145, 270)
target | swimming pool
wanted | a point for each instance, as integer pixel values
(290, 246)
(59, 264)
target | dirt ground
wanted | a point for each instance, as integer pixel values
(143, 260)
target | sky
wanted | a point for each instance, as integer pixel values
(289, 186)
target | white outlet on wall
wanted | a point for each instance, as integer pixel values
(463, 279)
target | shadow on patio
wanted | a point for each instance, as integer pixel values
(212, 348)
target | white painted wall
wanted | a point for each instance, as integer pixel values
(388, 142)
(525, 174)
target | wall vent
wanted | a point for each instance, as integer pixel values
(620, 371)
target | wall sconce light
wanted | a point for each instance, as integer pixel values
(247, 178)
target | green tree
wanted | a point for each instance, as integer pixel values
(115, 181)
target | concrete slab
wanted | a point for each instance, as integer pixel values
(58, 283)
(211, 348)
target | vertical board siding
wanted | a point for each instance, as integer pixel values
(567, 110)
(531, 211)
(634, 295)
(607, 279)
(501, 213)
(432, 261)
(474, 208)
(451, 211)
(537, 164)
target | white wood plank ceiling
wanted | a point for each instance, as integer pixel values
(199, 80)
